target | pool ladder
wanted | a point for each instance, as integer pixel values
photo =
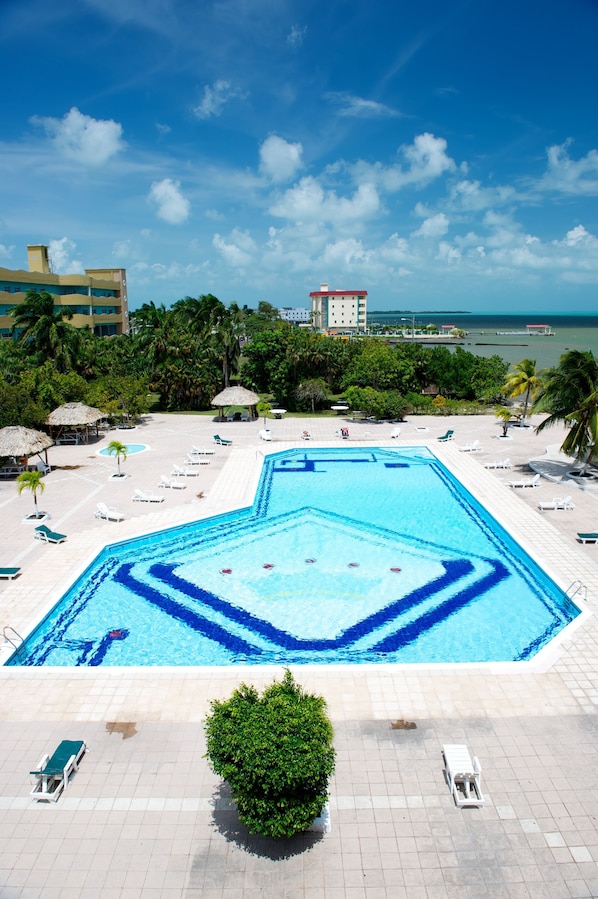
(12, 637)
(577, 589)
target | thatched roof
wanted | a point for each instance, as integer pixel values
(236, 396)
(18, 441)
(73, 414)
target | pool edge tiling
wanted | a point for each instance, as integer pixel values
(246, 462)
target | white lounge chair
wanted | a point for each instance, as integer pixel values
(201, 451)
(53, 772)
(396, 432)
(140, 496)
(265, 435)
(526, 482)
(557, 503)
(463, 775)
(108, 513)
(172, 483)
(196, 460)
(499, 463)
(474, 447)
(179, 471)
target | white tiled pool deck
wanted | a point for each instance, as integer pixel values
(144, 817)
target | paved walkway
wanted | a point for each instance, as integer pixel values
(144, 816)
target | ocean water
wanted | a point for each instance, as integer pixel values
(571, 332)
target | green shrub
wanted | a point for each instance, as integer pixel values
(275, 751)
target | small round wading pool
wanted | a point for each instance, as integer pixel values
(347, 556)
(132, 449)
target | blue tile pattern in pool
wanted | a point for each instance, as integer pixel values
(347, 556)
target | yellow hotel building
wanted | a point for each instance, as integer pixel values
(97, 299)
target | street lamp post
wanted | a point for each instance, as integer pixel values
(412, 320)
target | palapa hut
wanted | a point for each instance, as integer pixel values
(73, 420)
(19, 443)
(236, 396)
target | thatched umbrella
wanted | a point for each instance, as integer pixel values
(236, 396)
(74, 415)
(18, 442)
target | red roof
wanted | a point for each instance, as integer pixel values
(338, 293)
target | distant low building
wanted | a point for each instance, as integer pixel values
(97, 299)
(336, 311)
(299, 316)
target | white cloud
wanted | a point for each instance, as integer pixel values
(296, 35)
(470, 196)
(215, 96)
(351, 106)
(571, 176)
(6, 252)
(60, 252)
(170, 203)
(307, 201)
(424, 160)
(280, 160)
(238, 250)
(82, 138)
(435, 226)
(579, 236)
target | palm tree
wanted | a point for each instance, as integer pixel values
(31, 480)
(43, 329)
(570, 396)
(523, 379)
(120, 450)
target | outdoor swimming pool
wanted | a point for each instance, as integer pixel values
(132, 448)
(350, 555)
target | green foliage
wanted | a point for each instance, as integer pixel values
(120, 450)
(570, 395)
(33, 481)
(276, 753)
(312, 393)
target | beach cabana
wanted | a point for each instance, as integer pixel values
(236, 396)
(72, 421)
(19, 443)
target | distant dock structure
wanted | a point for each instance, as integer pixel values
(530, 331)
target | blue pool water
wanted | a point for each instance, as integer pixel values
(132, 448)
(347, 556)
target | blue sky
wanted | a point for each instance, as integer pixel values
(439, 156)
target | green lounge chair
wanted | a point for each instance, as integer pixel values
(220, 441)
(53, 772)
(9, 573)
(588, 538)
(450, 435)
(44, 533)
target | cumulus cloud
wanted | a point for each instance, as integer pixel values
(307, 201)
(579, 236)
(571, 176)
(171, 205)
(82, 138)
(422, 162)
(61, 256)
(6, 252)
(280, 160)
(237, 250)
(358, 107)
(215, 97)
(470, 196)
(435, 226)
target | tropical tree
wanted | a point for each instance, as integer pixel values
(524, 379)
(120, 450)
(276, 753)
(570, 395)
(31, 480)
(42, 328)
(312, 392)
